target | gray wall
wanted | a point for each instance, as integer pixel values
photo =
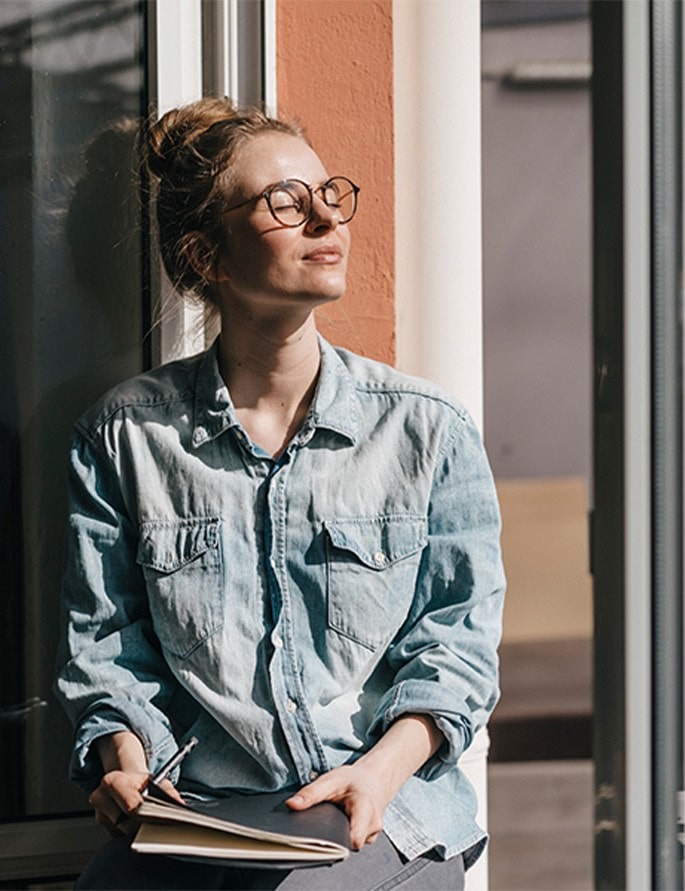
(537, 248)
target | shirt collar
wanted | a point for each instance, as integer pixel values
(334, 406)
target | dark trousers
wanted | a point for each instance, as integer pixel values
(377, 867)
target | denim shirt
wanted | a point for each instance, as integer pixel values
(286, 611)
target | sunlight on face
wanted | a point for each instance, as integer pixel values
(268, 265)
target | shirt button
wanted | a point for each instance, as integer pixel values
(313, 775)
(291, 706)
(379, 558)
(278, 641)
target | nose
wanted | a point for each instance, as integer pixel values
(322, 217)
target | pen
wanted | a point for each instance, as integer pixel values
(173, 762)
(162, 773)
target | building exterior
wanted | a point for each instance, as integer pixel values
(389, 92)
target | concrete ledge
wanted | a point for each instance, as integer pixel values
(47, 848)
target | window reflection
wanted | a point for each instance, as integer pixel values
(72, 272)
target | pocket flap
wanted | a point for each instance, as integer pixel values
(167, 545)
(379, 541)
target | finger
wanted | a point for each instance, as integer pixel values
(171, 790)
(359, 830)
(106, 810)
(109, 820)
(121, 819)
(365, 822)
(359, 821)
(112, 830)
(123, 790)
(125, 825)
(329, 787)
(117, 794)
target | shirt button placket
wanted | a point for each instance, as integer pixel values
(281, 667)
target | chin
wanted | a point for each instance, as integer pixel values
(325, 291)
(327, 295)
(323, 297)
(330, 288)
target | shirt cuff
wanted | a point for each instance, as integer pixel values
(85, 768)
(426, 698)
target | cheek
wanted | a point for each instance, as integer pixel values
(252, 256)
(278, 249)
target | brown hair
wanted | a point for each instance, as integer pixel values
(190, 150)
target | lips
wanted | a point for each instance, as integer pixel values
(324, 253)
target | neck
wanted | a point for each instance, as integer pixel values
(271, 372)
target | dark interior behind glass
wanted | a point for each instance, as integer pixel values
(74, 321)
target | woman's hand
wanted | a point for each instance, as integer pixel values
(117, 797)
(367, 787)
(120, 790)
(360, 790)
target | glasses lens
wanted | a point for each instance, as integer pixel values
(340, 193)
(289, 202)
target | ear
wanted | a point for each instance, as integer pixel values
(201, 256)
(220, 272)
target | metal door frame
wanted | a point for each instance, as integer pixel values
(637, 543)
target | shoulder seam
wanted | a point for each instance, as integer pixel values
(92, 423)
(94, 440)
(381, 389)
(141, 403)
(458, 427)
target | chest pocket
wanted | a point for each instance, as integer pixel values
(372, 564)
(181, 561)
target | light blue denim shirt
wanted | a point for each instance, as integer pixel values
(287, 611)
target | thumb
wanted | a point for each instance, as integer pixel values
(322, 789)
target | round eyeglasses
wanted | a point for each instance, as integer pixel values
(291, 202)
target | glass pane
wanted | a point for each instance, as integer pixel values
(71, 267)
(537, 341)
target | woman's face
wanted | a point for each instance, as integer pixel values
(266, 266)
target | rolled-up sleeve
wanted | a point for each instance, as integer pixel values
(445, 657)
(111, 673)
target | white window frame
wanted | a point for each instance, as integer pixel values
(175, 75)
(196, 48)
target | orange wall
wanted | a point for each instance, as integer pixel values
(335, 75)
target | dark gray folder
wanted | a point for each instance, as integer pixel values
(256, 826)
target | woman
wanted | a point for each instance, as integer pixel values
(281, 548)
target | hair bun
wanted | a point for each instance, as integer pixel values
(178, 129)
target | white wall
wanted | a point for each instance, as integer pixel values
(438, 229)
(438, 195)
